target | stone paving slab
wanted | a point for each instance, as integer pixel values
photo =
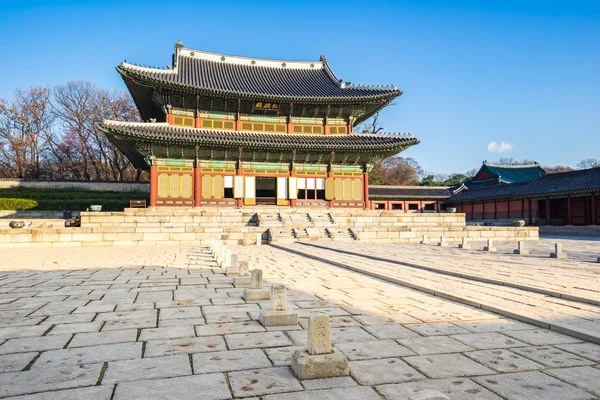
(158, 348)
(210, 386)
(88, 355)
(263, 381)
(381, 371)
(532, 386)
(88, 393)
(455, 389)
(229, 361)
(45, 379)
(147, 368)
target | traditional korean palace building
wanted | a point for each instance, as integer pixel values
(230, 131)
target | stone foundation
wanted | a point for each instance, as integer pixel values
(196, 226)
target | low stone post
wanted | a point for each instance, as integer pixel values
(227, 258)
(442, 242)
(490, 246)
(279, 315)
(256, 290)
(464, 244)
(234, 265)
(521, 248)
(243, 280)
(428, 395)
(319, 359)
(425, 240)
(558, 253)
(258, 239)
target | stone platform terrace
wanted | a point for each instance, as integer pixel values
(174, 226)
(166, 323)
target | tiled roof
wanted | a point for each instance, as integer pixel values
(255, 78)
(163, 132)
(563, 183)
(515, 173)
(549, 185)
(499, 191)
(408, 192)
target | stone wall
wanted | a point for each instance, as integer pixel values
(589, 230)
(86, 185)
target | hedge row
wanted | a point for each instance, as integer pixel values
(65, 199)
(17, 204)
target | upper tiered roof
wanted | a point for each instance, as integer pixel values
(255, 78)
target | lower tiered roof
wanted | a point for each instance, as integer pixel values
(131, 137)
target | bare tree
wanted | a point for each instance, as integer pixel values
(23, 122)
(588, 163)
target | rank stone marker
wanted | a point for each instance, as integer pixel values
(558, 253)
(256, 290)
(319, 360)
(258, 239)
(234, 265)
(464, 244)
(243, 280)
(442, 242)
(490, 246)
(278, 316)
(425, 240)
(521, 248)
(428, 395)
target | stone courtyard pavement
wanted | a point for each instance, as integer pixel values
(166, 323)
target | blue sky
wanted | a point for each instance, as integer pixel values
(526, 73)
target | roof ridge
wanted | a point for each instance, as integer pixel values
(529, 165)
(181, 51)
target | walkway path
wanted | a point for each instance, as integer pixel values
(167, 323)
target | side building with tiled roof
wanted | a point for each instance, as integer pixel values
(565, 198)
(231, 131)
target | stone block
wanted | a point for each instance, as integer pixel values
(232, 271)
(241, 281)
(558, 255)
(491, 249)
(428, 395)
(278, 318)
(307, 366)
(257, 294)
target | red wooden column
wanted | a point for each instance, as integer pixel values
(508, 210)
(404, 206)
(594, 210)
(483, 210)
(495, 209)
(569, 211)
(366, 188)
(523, 208)
(548, 216)
(153, 185)
(197, 186)
(529, 209)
